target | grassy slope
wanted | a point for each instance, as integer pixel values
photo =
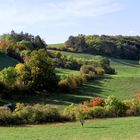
(63, 72)
(108, 129)
(6, 61)
(55, 45)
(123, 85)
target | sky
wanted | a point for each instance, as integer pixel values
(56, 20)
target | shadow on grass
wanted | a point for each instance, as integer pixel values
(102, 127)
(89, 90)
(126, 62)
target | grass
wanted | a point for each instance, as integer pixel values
(6, 61)
(105, 129)
(66, 72)
(123, 85)
(55, 45)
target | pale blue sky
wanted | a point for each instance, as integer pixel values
(56, 20)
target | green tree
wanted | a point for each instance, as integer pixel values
(8, 76)
(39, 43)
(38, 73)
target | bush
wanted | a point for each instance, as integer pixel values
(119, 107)
(110, 111)
(36, 114)
(71, 111)
(5, 116)
(63, 85)
(86, 69)
(88, 72)
(97, 102)
(70, 83)
(133, 107)
(79, 79)
(109, 70)
(111, 100)
(137, 96)
(99, 71)
(8, 77)
(97, 112)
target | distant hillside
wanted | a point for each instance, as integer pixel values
(55, 46)
(6, 61)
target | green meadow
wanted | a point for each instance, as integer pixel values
(124, 84)
(104, 129)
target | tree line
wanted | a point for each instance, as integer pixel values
(125, 47)
(17, 45)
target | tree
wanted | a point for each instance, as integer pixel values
(38, 73)
(8, 76)
(39, 43)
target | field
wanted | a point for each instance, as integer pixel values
(6, 61)
(55, 45)
(64, 72)
(123, 85)
(105, 129)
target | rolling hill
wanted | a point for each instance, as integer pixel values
(123, 85)
(6, 61)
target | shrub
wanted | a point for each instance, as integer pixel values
(99, 71)
(97, 102)
(85, 106)
(8, 77)
(79, 79)
(63, 85)
(71, 111)
(131, 111)
(36, 114)
(89, 76)
(110, 111)
(90, 71)
(111, 100)
(97, 112)
(109, 70)
(70, 83)
(5, 116)
(19, 106)
(86, 69)
(137, 96)
(135, 107)
(76, 112)
(119, 107)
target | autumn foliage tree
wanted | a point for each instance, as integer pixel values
(38, 73)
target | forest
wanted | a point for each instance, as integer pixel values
(125, 47)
